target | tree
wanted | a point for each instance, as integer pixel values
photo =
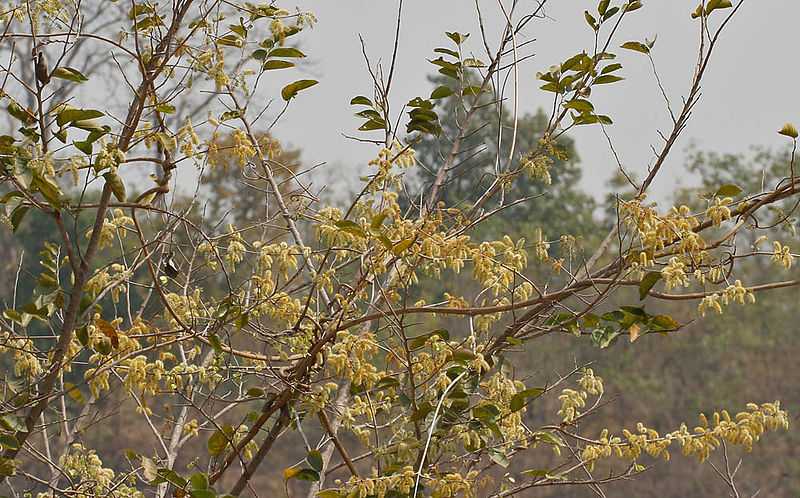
(320, 326)
(554, 202)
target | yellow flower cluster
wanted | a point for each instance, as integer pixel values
(236, 247)
(674, 273)
(88, 477)
(112, 228)
(733, 293)
(442, 486)
(116, 275)
(719, 210)
(499, 390)
(26, 362)
(743, 430)
(498, 263)
(108, 157)
(350, 357)
(782, 255)
(242, 147)
(572, 400)
(537, 166)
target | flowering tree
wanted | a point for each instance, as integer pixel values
(313, 320)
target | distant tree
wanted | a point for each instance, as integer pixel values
(555, 202)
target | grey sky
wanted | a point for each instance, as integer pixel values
(748, 93)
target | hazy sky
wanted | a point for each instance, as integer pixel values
(749, 91)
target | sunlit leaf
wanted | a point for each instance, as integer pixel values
(291, 90)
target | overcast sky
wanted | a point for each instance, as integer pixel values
(749, 91)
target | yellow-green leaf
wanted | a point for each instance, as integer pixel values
(70, 74)
(789, 130)
(401, 246)
(636, 47)
(291, 90)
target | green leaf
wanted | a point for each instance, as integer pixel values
(579, 105)
(291, 90)
(549, 438)
(590, 20)
(650, 279)
(611, 68)
(90, 126)
(535, 472)
(471, 90)
(8, 467)
(70, 115)
(239, 30)
(636, 47)
(422, 411)
(519, 400)
(447, 51)
(49, 189)
(463, 355)
(499, 457)
(277, 64)
(83, 146)
(306, 475)
(373, 124)
(286, 52)
(217, 443)
(20, 113)
(728, 190)
(140, 9)
(457, 37)
(117, 186)
(314, 458)
(17, 215)
(607, 78)
(231, 40)
(441, 92)
(68, 73)
(377, 222)
(170, 476)
(603, 6)
(228, 115)
(9, 441)
(360, 100)
(604, 337)
(472, 62)
(370, 114)
(165, 108)
(419, 341)
(486, 412)
(634, 5)
(551, 87)
(610, 13)
(199, 481)
(402, 246)
(351, 227)
(13, 423)
(713, 5)
(664, 322)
